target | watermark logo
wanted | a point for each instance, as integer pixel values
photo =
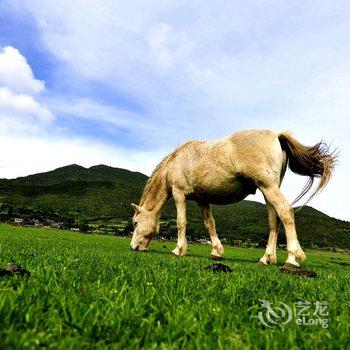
(301, 312)
(272, 315)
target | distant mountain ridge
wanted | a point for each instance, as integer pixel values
(76, 172)
(104, 193)
(75, 191)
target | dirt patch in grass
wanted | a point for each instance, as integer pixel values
(219, 268)
(14, 269)
(297, 271)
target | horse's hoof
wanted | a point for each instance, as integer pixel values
(263, 261)
(300, 255)
(215, 257)
(289, 266)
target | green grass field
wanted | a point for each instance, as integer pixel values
(92, 292)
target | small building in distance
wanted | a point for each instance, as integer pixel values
(18, 221)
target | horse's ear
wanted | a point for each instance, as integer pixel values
(136, 208)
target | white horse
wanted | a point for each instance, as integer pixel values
(226, 171)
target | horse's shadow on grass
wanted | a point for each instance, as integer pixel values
(302, 272)
(197, 256)
(191, 255)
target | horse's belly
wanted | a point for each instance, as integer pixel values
(216, 198)
(224, 192)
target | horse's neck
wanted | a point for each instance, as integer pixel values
(156, 198)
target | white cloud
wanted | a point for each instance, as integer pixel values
(202, 76)
(88, 109)
(167, 45)
(22, 106)
(17, 87)
(39, 154)
(16, 74)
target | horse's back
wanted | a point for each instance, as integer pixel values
(225, 170)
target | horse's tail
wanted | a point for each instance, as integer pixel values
(313, 161)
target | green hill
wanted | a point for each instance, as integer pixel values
(103, 194)
(77, 192)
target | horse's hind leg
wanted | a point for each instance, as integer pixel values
(270, 253)
(285, 212)
(270, 256)
(209, 223)
(180, 202)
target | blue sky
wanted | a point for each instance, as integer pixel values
(124, 82)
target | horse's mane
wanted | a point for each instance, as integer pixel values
(155, 179)
(158, 175)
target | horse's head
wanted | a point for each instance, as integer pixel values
(146, 225)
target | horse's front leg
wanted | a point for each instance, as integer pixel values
(180, 202)
(209, 223)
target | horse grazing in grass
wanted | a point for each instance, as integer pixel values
(226, 171)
